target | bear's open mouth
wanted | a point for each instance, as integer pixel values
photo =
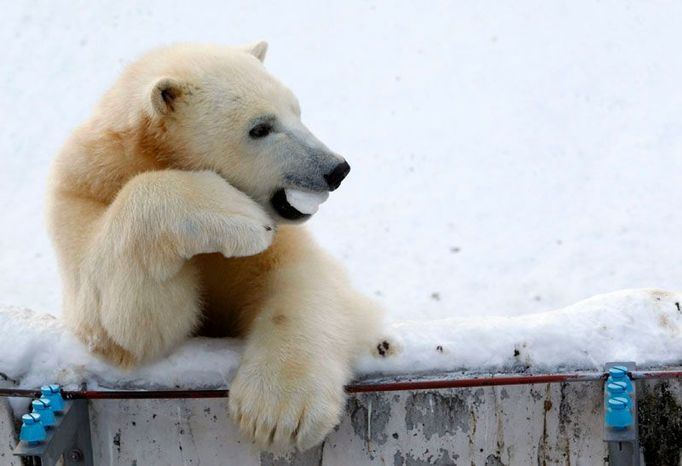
(284, 209)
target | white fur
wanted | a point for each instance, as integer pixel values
(150, 203)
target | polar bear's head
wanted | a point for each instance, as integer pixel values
(219, 109)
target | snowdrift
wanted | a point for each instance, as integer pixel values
(639, 325)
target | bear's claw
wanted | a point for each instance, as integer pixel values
(387, 346)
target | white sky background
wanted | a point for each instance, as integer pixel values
(507, 158)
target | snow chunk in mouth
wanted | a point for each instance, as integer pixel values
(305, 202)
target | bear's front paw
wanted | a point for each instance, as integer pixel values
(389, 345)
(245, 231)
(248, 236)
(280, 412)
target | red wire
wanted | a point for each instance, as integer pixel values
(359, 387)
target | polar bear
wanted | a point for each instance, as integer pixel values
(173, 210)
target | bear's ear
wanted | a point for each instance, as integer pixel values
(257, 49)
(163, 96)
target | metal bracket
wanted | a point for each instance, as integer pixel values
(69, 439)
(623, 443)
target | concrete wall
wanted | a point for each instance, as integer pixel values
(515, 425)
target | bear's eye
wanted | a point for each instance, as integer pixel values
(260, 130)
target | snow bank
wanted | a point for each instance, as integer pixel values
(630, 325)
(640, 325)
(36, 348)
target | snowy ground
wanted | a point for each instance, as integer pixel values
(631, 325)
(507, 158)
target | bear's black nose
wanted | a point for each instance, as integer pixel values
(336, 176)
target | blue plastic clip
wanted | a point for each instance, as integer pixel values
(620, 374)
(43, 408)
(618, 415)
(32, 430)
(54, 394)
(618, 390)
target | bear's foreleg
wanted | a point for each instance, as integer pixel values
(137, 271)
(289, 389)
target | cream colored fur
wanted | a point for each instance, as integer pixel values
(157, 210)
